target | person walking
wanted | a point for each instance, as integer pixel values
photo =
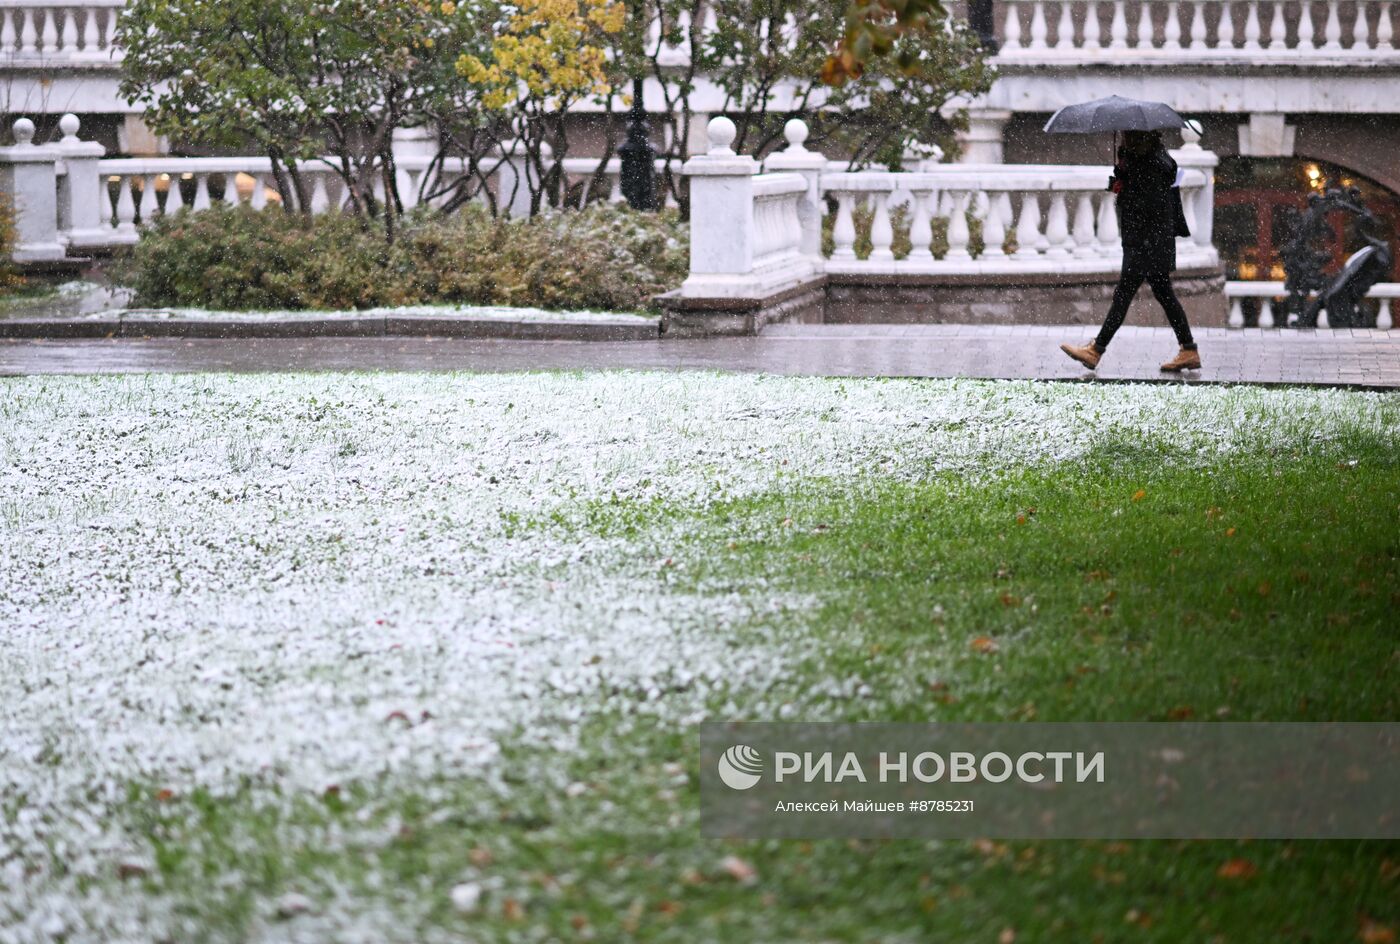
(1149, 218)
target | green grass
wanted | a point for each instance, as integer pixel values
(1134, 586)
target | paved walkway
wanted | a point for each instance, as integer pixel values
(1357, 357)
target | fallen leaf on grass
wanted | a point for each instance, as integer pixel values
(1373, 932)
(1007, 936)
(984, 644)
(1139, 495)
(1236, 869)
(1181, 713)
(738, 869)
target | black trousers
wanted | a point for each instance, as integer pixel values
(1160, 281)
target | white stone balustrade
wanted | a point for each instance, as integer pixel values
(52, 31)
(1244, 31)
(1043, 218)
(582, 170)
(1269, 293)
(1033, 219)
(746, 228)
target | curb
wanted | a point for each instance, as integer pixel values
(123, 326)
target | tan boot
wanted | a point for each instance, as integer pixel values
(1088, 355)
(1184, 360)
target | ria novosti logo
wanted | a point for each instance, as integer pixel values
(740, 767)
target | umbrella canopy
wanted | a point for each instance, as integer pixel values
(1113, 114)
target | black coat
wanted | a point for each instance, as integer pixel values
(1149, 212)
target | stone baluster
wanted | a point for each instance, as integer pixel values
(149, 205)
(882, 236)
(92, 40)
(320, 198)
(1323, 321)
(1251, 26)
(110, 34)
(231, 196)
(1109, 243)
(1332, 30)
(1091, 26)
(126, 210)
(50, 32)
(1305, 26)
(1146, 29)
(1266, 313)
(1118, 27)
(1028, 226)
(28, 35)
(1236, 317)
(994, 226)
(1039, 29)
(1012, 31)
(1278, 29)
(69, 37)
(921, 228)
(201, 192)
(1384, 30)
(174, 199)
(1384, 321)
(958, 235)
(7, 32)
(1198, 24)
(1361, 28)
(1064, 31)
(843, 231)
(1171, 33)
(1225, 29)
(258, 198)
(1057, 227)
(1084, 226)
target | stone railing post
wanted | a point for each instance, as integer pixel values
(1192, 155)
(722, 233)
(809, 164)
(82, 193)
(29, 175)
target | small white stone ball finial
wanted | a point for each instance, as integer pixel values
(1191, 133)
(69, 125)
(721, 132)
(24, 131)
(796, 133)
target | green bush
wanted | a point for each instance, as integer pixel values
(238, 259)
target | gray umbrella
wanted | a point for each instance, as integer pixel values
(1113, 114)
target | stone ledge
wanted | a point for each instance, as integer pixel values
(313, 327)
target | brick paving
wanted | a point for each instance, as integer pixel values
(1343, 357)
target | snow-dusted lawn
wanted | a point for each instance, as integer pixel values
(301, 581)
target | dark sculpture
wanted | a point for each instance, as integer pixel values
(1305, 254)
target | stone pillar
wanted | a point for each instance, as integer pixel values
(82, 194)
(1192, 155)
(982, 141)
(721, 217)
(809, 164)
(29, 176)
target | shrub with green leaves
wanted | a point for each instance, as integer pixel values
(605, 257)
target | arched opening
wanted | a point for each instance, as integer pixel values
(1258, 202)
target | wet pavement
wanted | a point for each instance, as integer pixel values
(1341, 357)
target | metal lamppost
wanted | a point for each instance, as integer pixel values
(638, 157)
